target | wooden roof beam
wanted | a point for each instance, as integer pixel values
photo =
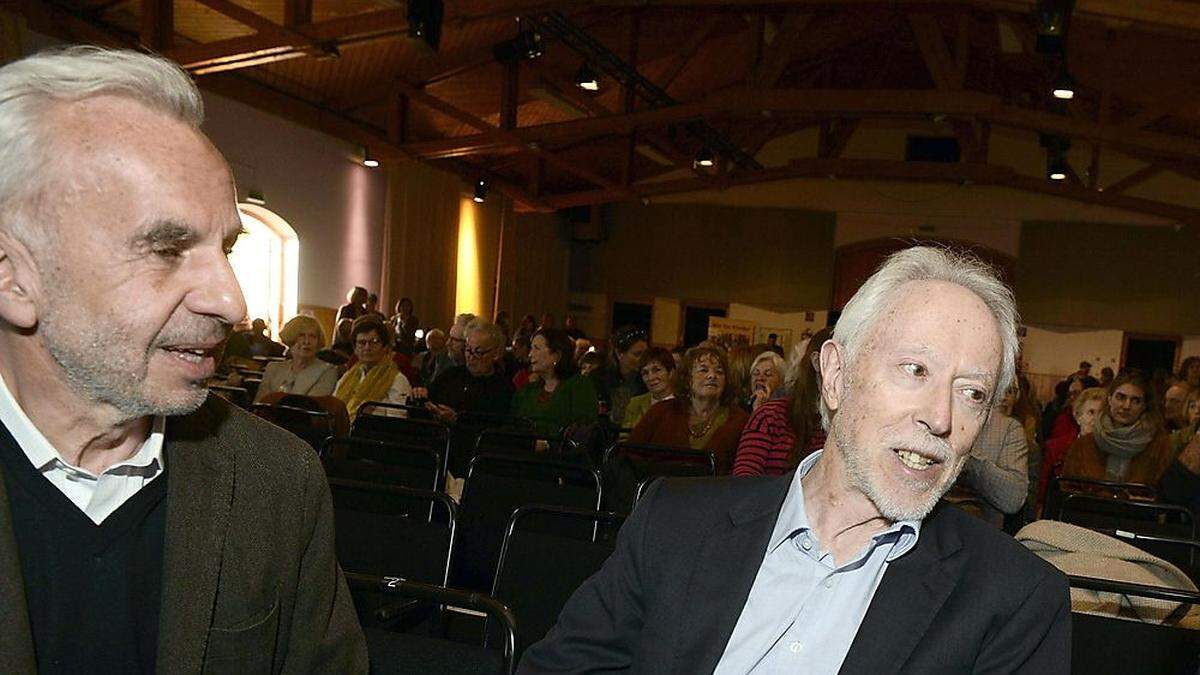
(779, 54)
(157, 24)
(1134, 179)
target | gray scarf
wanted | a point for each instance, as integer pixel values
(1121, 444)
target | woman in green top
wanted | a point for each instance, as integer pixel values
(560, 396)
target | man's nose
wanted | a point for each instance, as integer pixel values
(935, 412)
(217, 292)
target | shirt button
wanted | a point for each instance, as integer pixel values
(829, 583)
(795, 647)
(806, 544)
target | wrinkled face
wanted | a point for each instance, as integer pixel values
(139, 293)
(541, 359)
(629, 359)
(369, 348)
(708, 378)
(1193, 410)
(1126, 404)
(657, 379)
(910, 405)
(306, 344)
(455, 344)
(1173, 403)
(1086, 417)
(481, 354)
(765, 377)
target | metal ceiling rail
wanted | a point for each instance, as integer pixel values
(600, 57)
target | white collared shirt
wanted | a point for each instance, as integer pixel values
(96, 496)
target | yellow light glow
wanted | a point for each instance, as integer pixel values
(468, 289)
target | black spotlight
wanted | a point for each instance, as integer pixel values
(1051, 20)
(1064, 86)
(526, 45)
(425, 21)
(481, 190)
(1056, 156)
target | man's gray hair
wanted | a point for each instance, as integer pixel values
(925, 263)
(31, 86)
(492, 331)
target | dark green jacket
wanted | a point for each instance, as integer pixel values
(250, 584)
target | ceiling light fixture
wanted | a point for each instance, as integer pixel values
(481, 190)
(704, 158)
(586, 80)
(1064, 86)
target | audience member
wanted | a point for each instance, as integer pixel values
(1189, 372)
(302, 373)
(260, 343)
(1106, 376)
(1191, 422)
(456, 342)
(560, 396)
(582, 346)
(518, 361)
(704, 415)
(996, 472)
(528, 326)
(237, 346)
(677, 353)
(1128, 443)
(1064, 395)
(766, 378)
(1174, 415)
(592, 365)
(375, 377)
(1084, 412)
(623, 381)
(1085, 370)
(740, 359)
(405, 324)
(784, 430)
(657, 371)
(371, 307)
(505, 326)
(479, 386)
(356, 304)
(426, 361)
(773, 344)
(547, 321)
(847, 564)
(572, 329)
(1180, 483)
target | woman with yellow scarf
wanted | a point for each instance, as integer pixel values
(375, 376)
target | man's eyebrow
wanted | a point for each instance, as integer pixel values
(163, 233)
(232, 234)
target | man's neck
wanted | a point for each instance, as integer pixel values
(842, 516)
(86, 434)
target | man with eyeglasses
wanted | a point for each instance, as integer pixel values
(456, 340)
(477, 386)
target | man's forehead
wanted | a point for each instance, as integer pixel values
(938, 320)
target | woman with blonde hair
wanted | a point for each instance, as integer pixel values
(303, 373)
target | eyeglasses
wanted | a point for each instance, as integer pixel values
(364, 344)
(477, 352)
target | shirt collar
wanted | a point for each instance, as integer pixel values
(793, 518)
(42, 453)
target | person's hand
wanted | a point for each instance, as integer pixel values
(443, 412)
(761, 396)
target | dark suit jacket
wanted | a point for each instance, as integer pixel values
(250, 584)
(966, 598)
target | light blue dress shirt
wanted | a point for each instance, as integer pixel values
(803, 611)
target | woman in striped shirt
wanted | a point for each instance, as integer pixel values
(785, 429)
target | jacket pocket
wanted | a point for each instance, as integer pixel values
(248, 647)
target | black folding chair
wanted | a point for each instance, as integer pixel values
(628, 465)
(403, 654)
(1103, 645)
(499, 441)
(238, 396)
(373, 421)
(1100, 513)
(497, 485)
(313, 426)
(1183, 553)
(414, 465)
(1061, 486)
(464, 434)
(547, 553)
(387, 529)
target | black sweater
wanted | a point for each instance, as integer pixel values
(92, 590)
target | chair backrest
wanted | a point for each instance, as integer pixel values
(1166, 520)
(1103, 644)
(398, 531)
(310, 425)
(1182, 552)
(239, 396)
(547, 553)
(401, 653)
(628, 465)
(503, 441)
(408, 464)
(1061, 486)
(495, 487)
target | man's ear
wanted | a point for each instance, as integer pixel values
(833, 373)
(18, 283)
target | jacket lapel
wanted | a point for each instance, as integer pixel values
(16, 639)
(726, 566)
(913, 589)
(199, 494)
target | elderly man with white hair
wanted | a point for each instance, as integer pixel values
(145, 526)
(847, 564)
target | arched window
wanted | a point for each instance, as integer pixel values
(265, 260)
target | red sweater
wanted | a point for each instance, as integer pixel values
(666, 423)
(766, 441)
